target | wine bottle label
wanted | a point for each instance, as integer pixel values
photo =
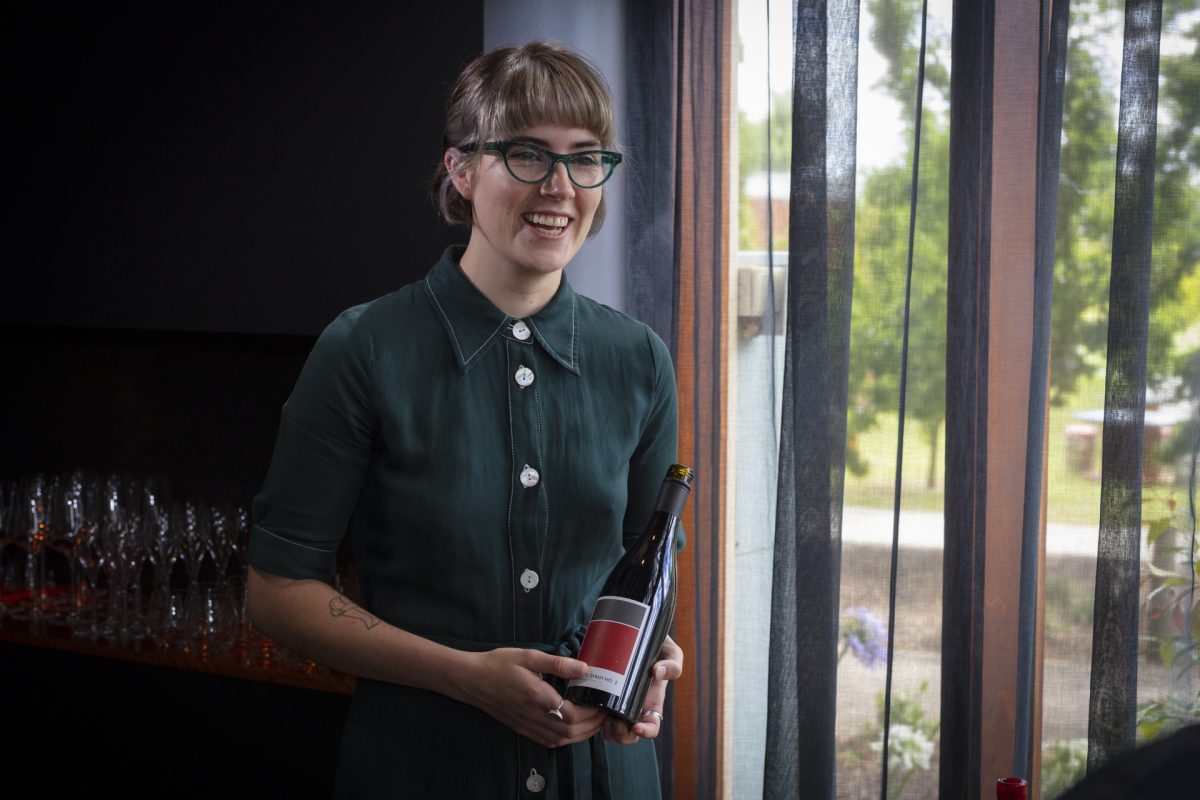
(611, 639)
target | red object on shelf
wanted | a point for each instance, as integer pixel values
(1012, 789)
(21, 595)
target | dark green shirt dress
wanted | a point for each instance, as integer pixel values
(489, 472)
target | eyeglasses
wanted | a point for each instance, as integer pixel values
(529, 163)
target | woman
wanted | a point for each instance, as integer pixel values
(491, 441)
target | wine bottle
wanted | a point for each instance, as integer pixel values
(1011, 789)
(634, 611)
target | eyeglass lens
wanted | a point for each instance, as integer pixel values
(533, 165)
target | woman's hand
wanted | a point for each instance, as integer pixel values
(507, 684)
(669, 667)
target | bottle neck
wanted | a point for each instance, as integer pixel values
(672, 497)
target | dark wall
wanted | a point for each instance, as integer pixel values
(196, 192)
(248, 168)
(200, 407)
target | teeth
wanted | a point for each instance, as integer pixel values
(547, 219)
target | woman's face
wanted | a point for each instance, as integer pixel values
(529, 229)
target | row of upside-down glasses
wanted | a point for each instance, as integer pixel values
(116, 558)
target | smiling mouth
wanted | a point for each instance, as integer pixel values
(550, 223)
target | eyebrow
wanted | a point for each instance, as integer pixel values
(591, 143)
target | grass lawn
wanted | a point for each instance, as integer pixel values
(1073, 495)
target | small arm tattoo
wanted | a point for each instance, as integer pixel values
(341, 607)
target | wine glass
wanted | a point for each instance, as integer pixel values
(70, 521)
(146, 549)
(114, 549)
(90, 559)
(163, 542)
(169, 611)
(222, 521)
(191, 519)
(211, 620)
(30, 523)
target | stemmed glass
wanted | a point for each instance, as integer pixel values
(220, 539)
(29, 513)
(90, 555)
(119, 544)
(133, 554)
(162, 540)
(69, 529)
(190, 519)
(239, 538)
(211, 620)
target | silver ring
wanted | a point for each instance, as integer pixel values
(654, 714)
(557, 712)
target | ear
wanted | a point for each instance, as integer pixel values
(461, 178)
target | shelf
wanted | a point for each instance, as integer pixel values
(264, 666)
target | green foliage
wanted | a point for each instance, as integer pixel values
(1064, 764)
(897, 38)
(912, 738)
(907, 709)
(1166, 715)
(1068, 603)
(1079, 322)
(880, 269)
(1171, 613)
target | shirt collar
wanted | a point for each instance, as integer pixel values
(473, 323)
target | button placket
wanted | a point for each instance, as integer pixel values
(527, 528)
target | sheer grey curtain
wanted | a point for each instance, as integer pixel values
(800, 740)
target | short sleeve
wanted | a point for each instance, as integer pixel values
(658, 447)
(322, 451)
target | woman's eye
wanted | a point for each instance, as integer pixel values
(525, 155)
(587, 160)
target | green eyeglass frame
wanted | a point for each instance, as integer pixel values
(531, 163)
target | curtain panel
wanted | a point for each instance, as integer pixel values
(800, 737)
(678, 142)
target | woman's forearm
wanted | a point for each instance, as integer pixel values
(506, 683)
(319, 622)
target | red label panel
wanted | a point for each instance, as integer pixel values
(608, 645)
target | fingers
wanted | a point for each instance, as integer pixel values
(669, 666)
(649, 725)
(617, 732)
(559, 666)
(577, 724)
(549, 730)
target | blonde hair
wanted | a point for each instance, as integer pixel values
(511, 89)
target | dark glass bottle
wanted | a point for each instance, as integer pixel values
(634, 611)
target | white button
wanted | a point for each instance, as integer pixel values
(529, 477)
(535, 782)
(524, 376)
(529, 579)
(521, 330)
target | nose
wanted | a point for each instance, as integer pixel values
(558, 182)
